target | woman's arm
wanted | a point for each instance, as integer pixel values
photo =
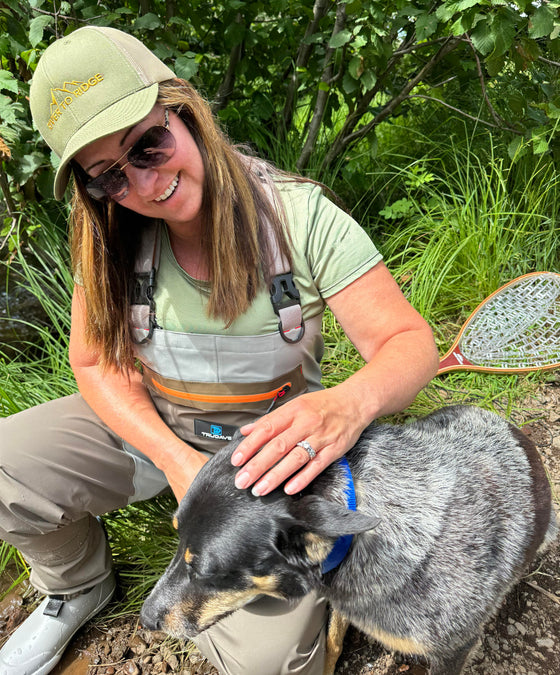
(122, 401)
(401, 357)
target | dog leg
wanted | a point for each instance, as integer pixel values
(452, 664)
(338, 625)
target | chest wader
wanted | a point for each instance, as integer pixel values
(206, 386)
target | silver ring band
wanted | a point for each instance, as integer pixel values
(307, 447)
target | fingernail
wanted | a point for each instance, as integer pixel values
(242, 480)
(292, 488)
(237, 459)
(260, 489)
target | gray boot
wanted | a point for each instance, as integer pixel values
(38, 644)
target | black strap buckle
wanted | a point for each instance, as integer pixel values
(284, 285)
(54, 605)
(143, 294)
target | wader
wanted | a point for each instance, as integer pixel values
(61, 466)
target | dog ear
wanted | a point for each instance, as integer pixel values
(330, 519)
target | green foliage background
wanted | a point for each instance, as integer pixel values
(310, 83)
(435, 120)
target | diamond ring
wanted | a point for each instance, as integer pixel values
(307, 447)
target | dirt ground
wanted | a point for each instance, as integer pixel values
(523, 639)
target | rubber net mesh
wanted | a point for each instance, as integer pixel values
(517, 327)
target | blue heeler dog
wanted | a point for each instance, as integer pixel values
(450, 511)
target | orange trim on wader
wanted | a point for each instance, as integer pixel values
(209, 398)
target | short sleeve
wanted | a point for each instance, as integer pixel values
(337, 249)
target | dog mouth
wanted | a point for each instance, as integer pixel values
(180, 628)
(170, 190)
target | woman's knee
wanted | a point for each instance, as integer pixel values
(269, 637)
(59, 461)
(34, 441)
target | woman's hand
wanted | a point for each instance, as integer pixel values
(322, 419)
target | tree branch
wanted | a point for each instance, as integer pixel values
(344, 138)
(418, 45)
(322, 95)
(362, 106)
(57, 15)
(320, 8)
(499, 121)
(457, 110)
(550, 63)
(225, 89)
(5, 154)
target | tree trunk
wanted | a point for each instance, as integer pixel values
(320, 8)
(225, 89)
(347, 136)
(322, 93)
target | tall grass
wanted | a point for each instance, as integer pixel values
(13, 569)
(35, 370)
(464, 225)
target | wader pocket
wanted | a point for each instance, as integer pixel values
(206, 415)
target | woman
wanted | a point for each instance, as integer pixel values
(177, 238)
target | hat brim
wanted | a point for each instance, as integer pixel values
(121, 115)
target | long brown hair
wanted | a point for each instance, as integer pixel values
(236, 209)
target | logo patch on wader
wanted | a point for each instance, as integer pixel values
(214, 430)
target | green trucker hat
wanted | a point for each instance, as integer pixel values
(90, 84)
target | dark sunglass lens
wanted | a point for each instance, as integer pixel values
(152, 149)
(110, 184)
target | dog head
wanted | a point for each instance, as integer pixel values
(234, 547)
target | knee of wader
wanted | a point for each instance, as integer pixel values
(22, 446)
(27, 485)
(269, 637)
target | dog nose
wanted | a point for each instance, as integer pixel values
(149, 617)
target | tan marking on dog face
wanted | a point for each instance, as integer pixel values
(267, 584)
(175, 523)
(228, 601)
(189, 556)
(223, 603)
(316, 547)
(174, 620)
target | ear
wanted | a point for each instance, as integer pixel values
(330, 519)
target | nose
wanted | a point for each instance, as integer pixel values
(150, 617)
(141, 180)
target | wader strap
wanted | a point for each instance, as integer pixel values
(285, 300)
(284, 295)
(143, 309)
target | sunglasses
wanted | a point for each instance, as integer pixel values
(154, 148)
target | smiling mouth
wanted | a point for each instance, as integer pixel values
(170, 190)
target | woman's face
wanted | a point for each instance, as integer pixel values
(172, 191)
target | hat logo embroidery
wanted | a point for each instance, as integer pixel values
(62, 97)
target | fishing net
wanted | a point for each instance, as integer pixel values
(518, 326)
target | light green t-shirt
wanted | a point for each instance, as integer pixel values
(330, 250)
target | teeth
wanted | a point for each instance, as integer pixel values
(170, 190)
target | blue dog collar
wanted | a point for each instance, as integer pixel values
(343, 543)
